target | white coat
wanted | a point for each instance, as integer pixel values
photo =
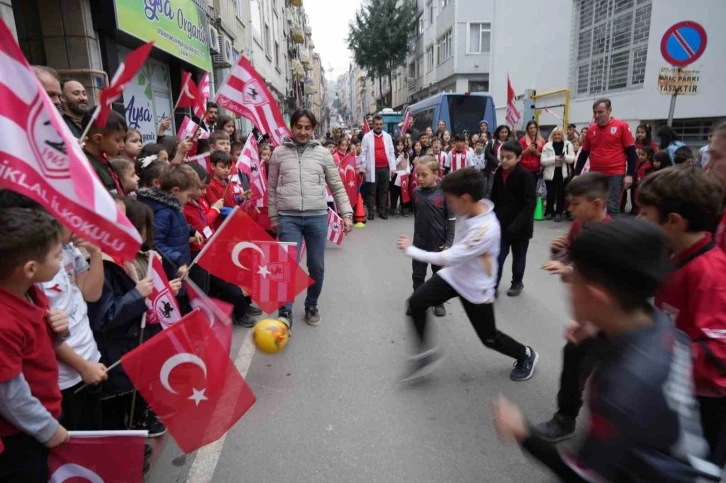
(368, 155)
(549, 162)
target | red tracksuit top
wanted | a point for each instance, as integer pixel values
(200, 216)
(694, 297)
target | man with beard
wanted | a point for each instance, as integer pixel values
(74, 105)
(210, 119)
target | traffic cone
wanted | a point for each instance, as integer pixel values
(538, 214)
(360, 213)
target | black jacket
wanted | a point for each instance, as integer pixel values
(514, 203)
(492, 160)
(116, 321)
(435, 220)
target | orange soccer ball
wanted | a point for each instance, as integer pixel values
(271, 335)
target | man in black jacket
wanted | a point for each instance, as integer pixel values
(514, 200)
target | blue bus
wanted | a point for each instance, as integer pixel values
(460, 112)
(391, 119)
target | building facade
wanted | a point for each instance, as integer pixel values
(608, 48)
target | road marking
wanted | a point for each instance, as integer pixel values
(206, 459)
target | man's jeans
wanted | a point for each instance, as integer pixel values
(615, 193)
(314, 229)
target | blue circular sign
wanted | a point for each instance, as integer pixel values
(683, 43)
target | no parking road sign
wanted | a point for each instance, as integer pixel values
(683, 43)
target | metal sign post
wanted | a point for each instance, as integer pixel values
(681, 45)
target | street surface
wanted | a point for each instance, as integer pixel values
(329, 407)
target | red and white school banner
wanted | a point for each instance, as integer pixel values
(99, 456)
(204, 88)
(188, 128)
(512, 115)
(43, 161)
(246, 94)
(163, 307)
(335, 228)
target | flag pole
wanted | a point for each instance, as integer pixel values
(152, 254)
(94, 117)
(115, 364)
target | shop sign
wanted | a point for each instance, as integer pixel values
(178, 27)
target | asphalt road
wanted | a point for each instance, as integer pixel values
(329, 406)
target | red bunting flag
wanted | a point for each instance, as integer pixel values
(242, 253)
(406, 123)
(349, 177)
(191, 97)
(43, 161)
(512, 115)
(216, 312)
(99, 456)
(190, 382)
(246, 94)
(335, 227)
(126, 73)
(163, 307)
(204, 87)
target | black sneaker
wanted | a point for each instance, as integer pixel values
(404, 213)
(253, 310)
(515, 290)
(558, 218)
(286, 315)
(371, 215)
(557, 429)
(245, 321)
(312, 316)
(383, 216)
(439, 311)
(524, 368)
(154, 425)
(423, 364)
(548, 217)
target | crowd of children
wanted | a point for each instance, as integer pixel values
(75, 311)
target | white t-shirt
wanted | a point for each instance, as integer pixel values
(470, 265)
(64, 294)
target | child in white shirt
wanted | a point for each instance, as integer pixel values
(470, 273)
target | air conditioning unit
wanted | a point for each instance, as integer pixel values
(213, 39)
(226, 55)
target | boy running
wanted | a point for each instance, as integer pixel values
(470, 270)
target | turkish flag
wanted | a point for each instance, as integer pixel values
(215, 311)
(412, 184)
(405, 195)
(349, 177)
(117, 459)
(366, 127)
(190, 382)
(242, 253)
(126, 73)
(163, 307)
(191, 97)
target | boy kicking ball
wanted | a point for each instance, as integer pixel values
(470, 273)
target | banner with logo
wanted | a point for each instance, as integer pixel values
(178, 27)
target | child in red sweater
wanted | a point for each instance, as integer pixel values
(30, 253)
(219, 186)
(687, 202)
(202, 217)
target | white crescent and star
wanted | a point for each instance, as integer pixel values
(177, 359)
(237, 250)
(71, 470)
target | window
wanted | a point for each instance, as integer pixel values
(412, 70)
(419, 61)
(480, 38)
(430, 57)
(611, 44)
(478, 86)
(277, 54)
(443, 47)
(423, 119)
(465, 112)
(256, 20)
(444, 3)
(238, 9)
(420, 29)
(430, 8)
(268, 49)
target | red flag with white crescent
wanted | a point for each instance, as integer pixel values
(349, 177)
(244, 254)
(126, 73)
(405, 193)
(190, 96)
(245, 93)
(99, 456)
(43, 161)
(188, 379)
(216, 312)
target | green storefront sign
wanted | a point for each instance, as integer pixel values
(178, 27)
